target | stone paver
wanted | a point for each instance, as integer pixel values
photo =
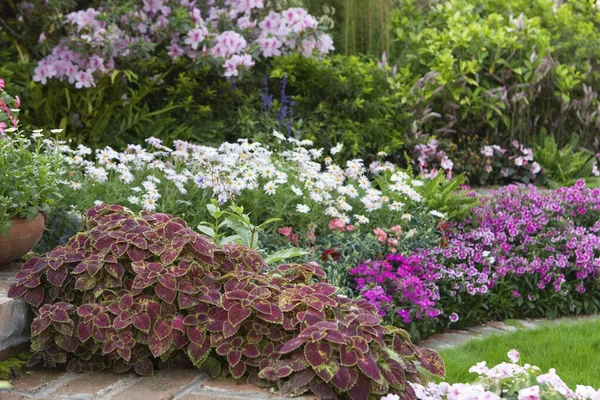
(15, 317)
(167, 384)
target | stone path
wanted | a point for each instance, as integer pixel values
(169, 384)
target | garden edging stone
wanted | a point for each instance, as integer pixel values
(15, 317)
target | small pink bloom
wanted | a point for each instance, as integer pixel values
(337, 224)
(1, 83)
(285, 230)
(513, 356)
(381, 235)
(349, 228)
(397, 229)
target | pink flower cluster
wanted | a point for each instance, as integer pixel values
(431, 160)
(514, 163)
(8, 109)
(390, 239)
(534, 252)
(94, 46)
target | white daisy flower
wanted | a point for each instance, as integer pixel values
(438, 214)
(149, 204)
(270, 188)
(361, 219)
(302, 208)
(337, 148)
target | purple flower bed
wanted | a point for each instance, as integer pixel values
(524, 253)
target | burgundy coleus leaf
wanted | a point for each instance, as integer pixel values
(232, 348)
(187, 300)
(142, 322)
(196, 334)
(197, 352)
(432, 362)
(67, 343)
(369, 367)
(302, 378)
(349, 356)
(35, 297)
(362, 388)
(136, 254)
(84, 330)
(345, 378)
(188, 287)
(39, 325)
(237, 370)
(157, 346)
(115, 270)
(162, 328)
(322, 390)
(274, 315)
(368, 320)
(216, 319)
(165, 293)
(157, 248)
(237, 314)
(14, 292)
(292, 345)
(393, 372)
(64, 328)
(141, 282)
(250, 351)
(58, 276)
(102, 321)
(168, 281)
(317, 353)
(327, 370)
(169, 255)
(84, 283)
(269, 373)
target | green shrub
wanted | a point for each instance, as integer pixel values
(506, 69)
(564, 167)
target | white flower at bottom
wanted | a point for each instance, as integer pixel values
(530, 393)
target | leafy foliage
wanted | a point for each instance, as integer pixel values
(563, 167)
(131, 289)
(448, 196)
(29, 179)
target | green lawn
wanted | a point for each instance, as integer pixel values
(573, 348)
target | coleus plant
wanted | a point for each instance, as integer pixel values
(132, 291)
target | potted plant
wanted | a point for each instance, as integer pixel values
(29, 174)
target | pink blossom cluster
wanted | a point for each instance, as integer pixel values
(431, 160)
(530, 250)
(94, 46)
(9, 109)
(515, 162)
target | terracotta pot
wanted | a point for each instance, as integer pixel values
(23, 235)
